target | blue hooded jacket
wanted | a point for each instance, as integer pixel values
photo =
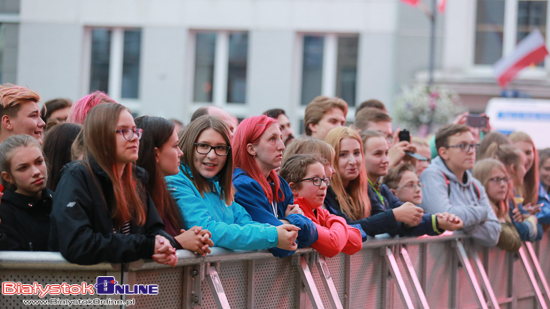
(231, 226)
(251, 196)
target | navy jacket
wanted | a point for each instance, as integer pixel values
(428, 224)
(251, 196)
(526, 229)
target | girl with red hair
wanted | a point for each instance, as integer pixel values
(258, 151)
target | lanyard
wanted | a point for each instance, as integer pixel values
(273, 205)
(377, 192)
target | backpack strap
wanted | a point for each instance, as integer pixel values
(478, 193)
(448, 183)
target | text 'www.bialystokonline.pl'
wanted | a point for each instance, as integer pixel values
(78, 302)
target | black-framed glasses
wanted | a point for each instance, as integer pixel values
(205, 149)
(412, 185)
(128, 133)
(499, 180)
(317, 181)
(464, 147)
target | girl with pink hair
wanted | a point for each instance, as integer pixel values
(258, 151)
(80, 108)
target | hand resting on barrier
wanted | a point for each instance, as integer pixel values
(196, 239)
(409, 214)
(449, 222)
(287, 234)
(164, 252)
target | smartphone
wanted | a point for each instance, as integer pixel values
(476, 121)
(416, 156)
(404, 135)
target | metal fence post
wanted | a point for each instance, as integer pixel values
(396, 274)
(463, 257)
(413, 278)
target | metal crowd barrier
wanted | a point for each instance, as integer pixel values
(446, 271)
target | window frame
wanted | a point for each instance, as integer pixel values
(221, 70)
(329, 70)
(509, 42)
(116, 65)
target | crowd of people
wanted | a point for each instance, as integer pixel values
(93, 183)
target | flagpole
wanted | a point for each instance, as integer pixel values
(432, 43)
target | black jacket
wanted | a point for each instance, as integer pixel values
(25, 221)
(81, 224)
(380, 221)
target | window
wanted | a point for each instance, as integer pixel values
(220, 65)
(329, 67)
(501, 24)
(115, 62)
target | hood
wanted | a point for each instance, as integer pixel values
(440, 165)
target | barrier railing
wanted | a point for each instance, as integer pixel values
(447, 271)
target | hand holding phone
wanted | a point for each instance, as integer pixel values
(477, 121)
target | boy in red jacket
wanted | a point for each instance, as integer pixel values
(306, 176)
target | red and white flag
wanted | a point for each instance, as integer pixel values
(411, 2)
(531, 50)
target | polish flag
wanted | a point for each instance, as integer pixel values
(411, 2)
(441, 5)
(531, 50)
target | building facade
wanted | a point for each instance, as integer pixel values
(169, 57)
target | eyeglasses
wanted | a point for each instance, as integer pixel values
(412, 186)
(128, 134)
(205, 149)
(499, 180)
(464, 147)
(317, 181)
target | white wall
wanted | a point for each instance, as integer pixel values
(51, 51)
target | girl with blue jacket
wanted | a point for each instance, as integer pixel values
(258, 150)
(204, 193)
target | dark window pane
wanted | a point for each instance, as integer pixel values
(101, 49)
(204, 66)
(130, 66)
(531, 15)
(346, 70)
(312, 68)
(489, 31)
(236, 73)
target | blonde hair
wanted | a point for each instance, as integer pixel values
(354, 200)
(482, 171)
(531, 180)
(319, 107)
(308, 145)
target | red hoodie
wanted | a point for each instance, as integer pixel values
(335, 235)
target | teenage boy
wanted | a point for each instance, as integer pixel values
(19, 112)
(376, 120)
(323, 114)
(284, 123)
(450, 187)
(376, 163)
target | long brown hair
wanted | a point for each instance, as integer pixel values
(508, 154)
(531, 180)
(100, 145)
(482, 171)
(354, 200)
(187, 146)
(156, 132)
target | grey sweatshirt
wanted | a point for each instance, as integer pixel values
(480, 221)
